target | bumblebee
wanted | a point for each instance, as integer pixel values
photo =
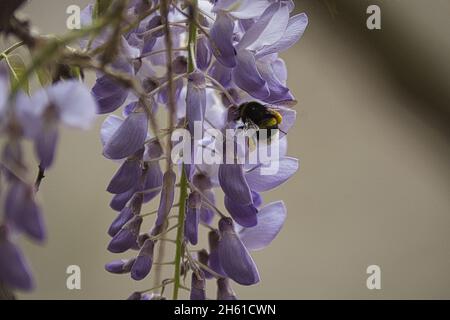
(258, 116)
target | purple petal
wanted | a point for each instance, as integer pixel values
(119, 266)
(119, 201)
(167, 198)
(257, 199)
(12, 154)
(203, 54)
(126, 177)
(122, 218)
(247, 77)
(195, 100)
(224, 290)
(203, 258)
(270, 221)
(221, 73)
(109, 95)
(14, 271)
(259, 182)
(206, 213)
(233, 183)
(126, 238)
(294, 31)
(144, 261)
(222, 40)
(198, 287)
(214, 259)
(192, 218)
(128, 138)
(23, 212)
(244, 215)
(45, 145)
(234, 257)
(153, 180)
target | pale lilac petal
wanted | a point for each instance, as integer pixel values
(109, 126)
(244, 215)
(271, 219)
(128, 138)
(267, 30)
(144, 261)
(294, 31)
(126, 177)
(250, 9)
(278, 91)
(222, 40)
(77, 107)
(221, 73)
(289, 117)
(247, 76)
(204, 54)
(233, 183)
(195, 100)
(234, 257)
(14, 270)
(259, 182)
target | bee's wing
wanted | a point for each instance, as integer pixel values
(284, 103)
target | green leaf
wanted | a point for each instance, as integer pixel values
(44, 76)
(18, 69)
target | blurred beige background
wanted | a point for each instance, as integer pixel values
(374, 185)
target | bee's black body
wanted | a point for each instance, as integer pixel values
(261, 116)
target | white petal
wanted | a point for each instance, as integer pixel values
(76, 104)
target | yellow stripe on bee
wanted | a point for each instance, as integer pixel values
(277, 115)
(269, 123)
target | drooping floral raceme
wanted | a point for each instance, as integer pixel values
(231, 58)
(195, 64)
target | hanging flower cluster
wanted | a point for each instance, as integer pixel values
(230, 58)
(35, 118)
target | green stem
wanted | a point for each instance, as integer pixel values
(184, 181)
(180, 234)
